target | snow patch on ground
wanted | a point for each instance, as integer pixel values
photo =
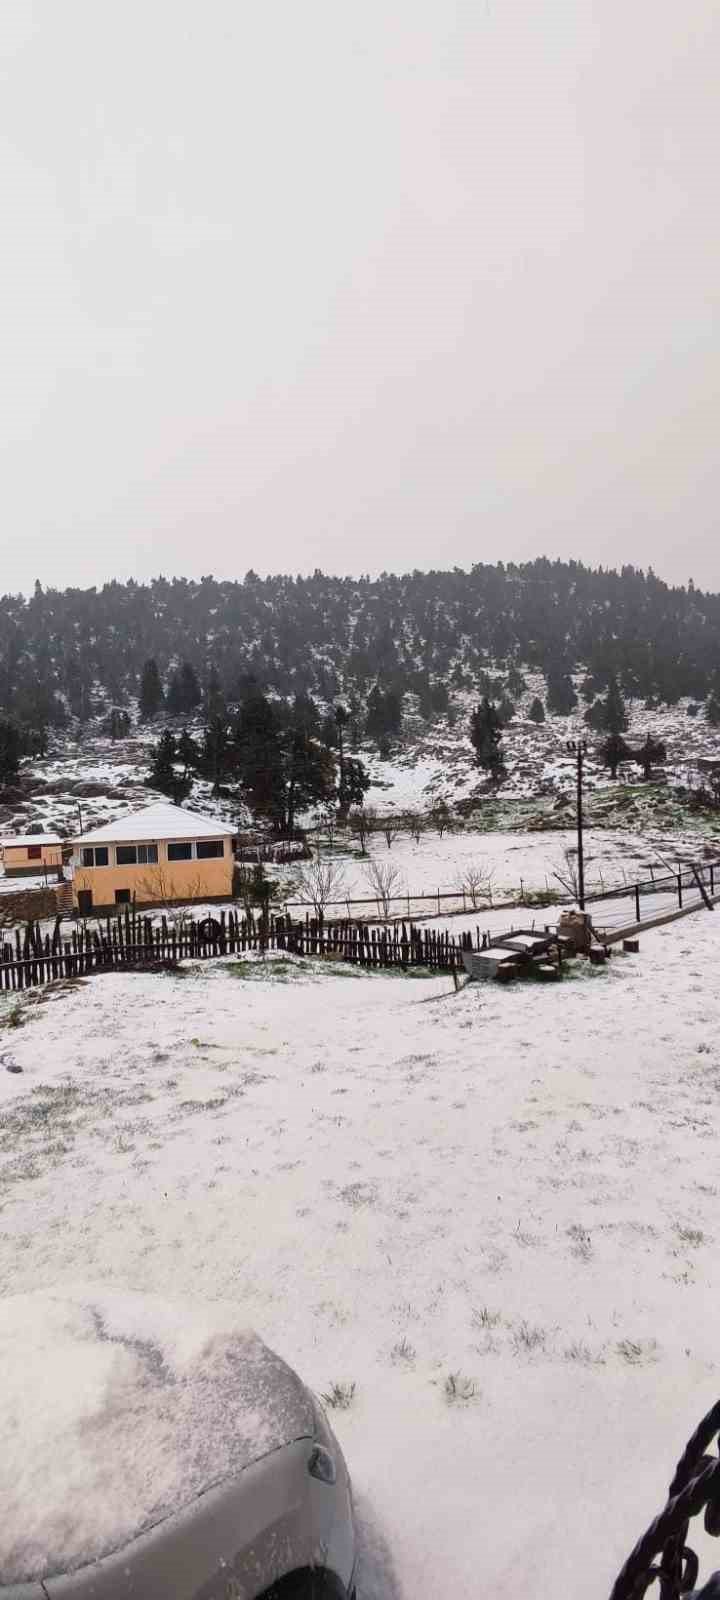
(495, 1213)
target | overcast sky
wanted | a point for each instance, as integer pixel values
(371, 285)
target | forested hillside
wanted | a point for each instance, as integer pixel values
(328, 635)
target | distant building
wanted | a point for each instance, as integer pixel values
(161, 855)
(32, 855)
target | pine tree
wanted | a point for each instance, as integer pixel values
(355, 785)
(214, 697)
(184, 693)
(260, 758)
(650, 754)
(712, 709)
(506, 710)
(485, 734)
(163, 775)
(614, 709)
(10, 749)
(537, 710)
(151, 692)
(561, 697)
(217, 755)
(188, 752)
(614, 751)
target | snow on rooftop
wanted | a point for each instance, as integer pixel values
(18, 840)
(160, 821)
(119, 1409)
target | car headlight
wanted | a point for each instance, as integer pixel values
(321, 1462)
(321, 1465)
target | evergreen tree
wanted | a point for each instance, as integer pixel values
(439, 698)
(260, 758)
(355, 784)
(184, 694)
(712, 709)
(516, 684)
(537, 710)
(506, 710)
(188, 752)
(11, 745)
(561, 697)
(309, 768)
(614, 709)
(341, 717)
(613, 751)
(216, 759)
(595, 717)
(384, 715)
(650, 754)
(486, 734)
(151, 692)
(163, 774)
(214, 697)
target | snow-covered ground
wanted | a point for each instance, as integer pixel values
(515, 863)
(495, 1213)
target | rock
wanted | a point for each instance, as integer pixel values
(10, 1064)
(90, 791)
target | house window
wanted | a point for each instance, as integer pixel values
(179, 851)
(132, 855)
(209, 849)
(95, 855)
(34, 852)
(122, 897)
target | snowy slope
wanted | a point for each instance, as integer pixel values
(495, 1213)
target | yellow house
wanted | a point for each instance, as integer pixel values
(158, 856)
(33, 855)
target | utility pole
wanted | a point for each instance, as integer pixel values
(578, 748)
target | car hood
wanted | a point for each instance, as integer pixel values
(118, 1409)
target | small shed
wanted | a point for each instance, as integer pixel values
(31, 855)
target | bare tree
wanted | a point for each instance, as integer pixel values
(385, 882)
(415, 823)
(390, 829)
(440, 816)
(319, 882)
(161, 892)
(362, 823)
(475, 880)
(566, 872)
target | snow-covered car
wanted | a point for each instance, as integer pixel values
(154, 1451)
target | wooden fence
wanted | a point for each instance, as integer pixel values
(134, 942)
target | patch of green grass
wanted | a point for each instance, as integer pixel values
(274, 970)
(14, 1017)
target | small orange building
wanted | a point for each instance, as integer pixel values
(32, 855)
(161, 855)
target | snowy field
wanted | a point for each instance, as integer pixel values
(513, 860)
(495, 1214)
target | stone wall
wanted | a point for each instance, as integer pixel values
(27, 905)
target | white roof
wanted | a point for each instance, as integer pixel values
(30, 838)
(160, 821)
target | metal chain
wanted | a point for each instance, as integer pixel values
(695, 1486)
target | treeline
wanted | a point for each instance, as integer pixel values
(65, 653)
